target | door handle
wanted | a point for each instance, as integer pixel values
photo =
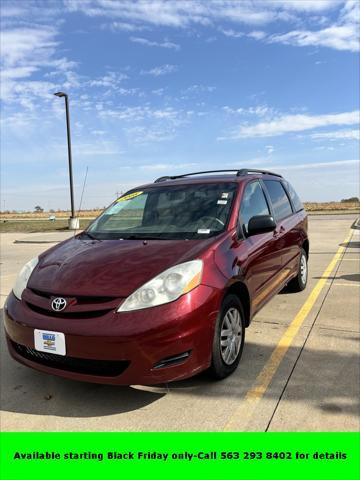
(278, 232)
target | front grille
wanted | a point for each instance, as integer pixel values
(81, 307)
(103, 368)
(81, 299)
(65, 314)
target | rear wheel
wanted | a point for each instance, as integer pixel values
(298, 284)
(228, 339)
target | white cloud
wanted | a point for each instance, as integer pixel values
(17, 121)
(306, 5)
(18, 72)
(342, 35)
(99, 148)
(158, 91)
(338, 135)
(257, 35)
(155, 12)
(161, 70)
(195, 89)
(39, 11)
(149, 43)
(30, 45)
(258, 110)
(132, 15)
(25, 93)
(125, 27)
(304, 166)
(176, 13)
(130, 91)
(231, 33)
(63, 64)
(294, 123)
(29, 50)
(142, 113)
(167, 166)
(339, 37)
(145, 135)
(11, 10)
(324, 147)
(110, 80)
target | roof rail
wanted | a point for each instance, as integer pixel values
(243, 171)
(174, 177)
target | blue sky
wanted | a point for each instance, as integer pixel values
(166, 87)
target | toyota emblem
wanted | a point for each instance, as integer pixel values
(58, 304)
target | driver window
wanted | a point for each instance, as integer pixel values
(253, 203)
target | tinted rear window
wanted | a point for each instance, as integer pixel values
(253, 203)
(279, 199)
(294, 197)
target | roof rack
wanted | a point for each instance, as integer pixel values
(245, 171)
(239, 173)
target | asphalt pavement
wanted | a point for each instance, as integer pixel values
(299, 370)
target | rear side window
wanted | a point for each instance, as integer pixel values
(253, 203)
(279, 199)
(294, 197)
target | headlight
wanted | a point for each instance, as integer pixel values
(24, 276)
(166, 287)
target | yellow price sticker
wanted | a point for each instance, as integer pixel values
(129, 196)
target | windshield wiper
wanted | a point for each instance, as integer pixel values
(89, 235)
(140, 237)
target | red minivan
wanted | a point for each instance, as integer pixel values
(163, 283)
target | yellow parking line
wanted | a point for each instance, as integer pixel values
(253, 396)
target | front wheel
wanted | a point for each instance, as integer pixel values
(228, 339)
(298, 284)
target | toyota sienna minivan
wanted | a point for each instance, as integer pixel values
(163, 284)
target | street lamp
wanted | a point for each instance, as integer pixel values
(73, 221)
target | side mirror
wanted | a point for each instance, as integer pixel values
(261, 224)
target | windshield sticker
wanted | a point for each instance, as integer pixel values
(224, 195)
(129, 196)
(203, 231)
(222, 202)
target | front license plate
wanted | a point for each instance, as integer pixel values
(49, 342)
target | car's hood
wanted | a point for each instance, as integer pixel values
(109, 267)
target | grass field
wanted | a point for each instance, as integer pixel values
(34, 225)
(332, 207)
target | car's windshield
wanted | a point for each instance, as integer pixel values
(173, 212)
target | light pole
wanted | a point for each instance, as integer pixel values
(73, 221)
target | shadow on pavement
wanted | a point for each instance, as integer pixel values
(355, 225)
(322, 382)
(352, 244)
(351, 277)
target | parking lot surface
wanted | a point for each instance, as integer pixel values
(299, 370)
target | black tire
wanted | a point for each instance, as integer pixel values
(219, 367)
(298, 284)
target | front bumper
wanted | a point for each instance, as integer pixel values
(121, 348)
